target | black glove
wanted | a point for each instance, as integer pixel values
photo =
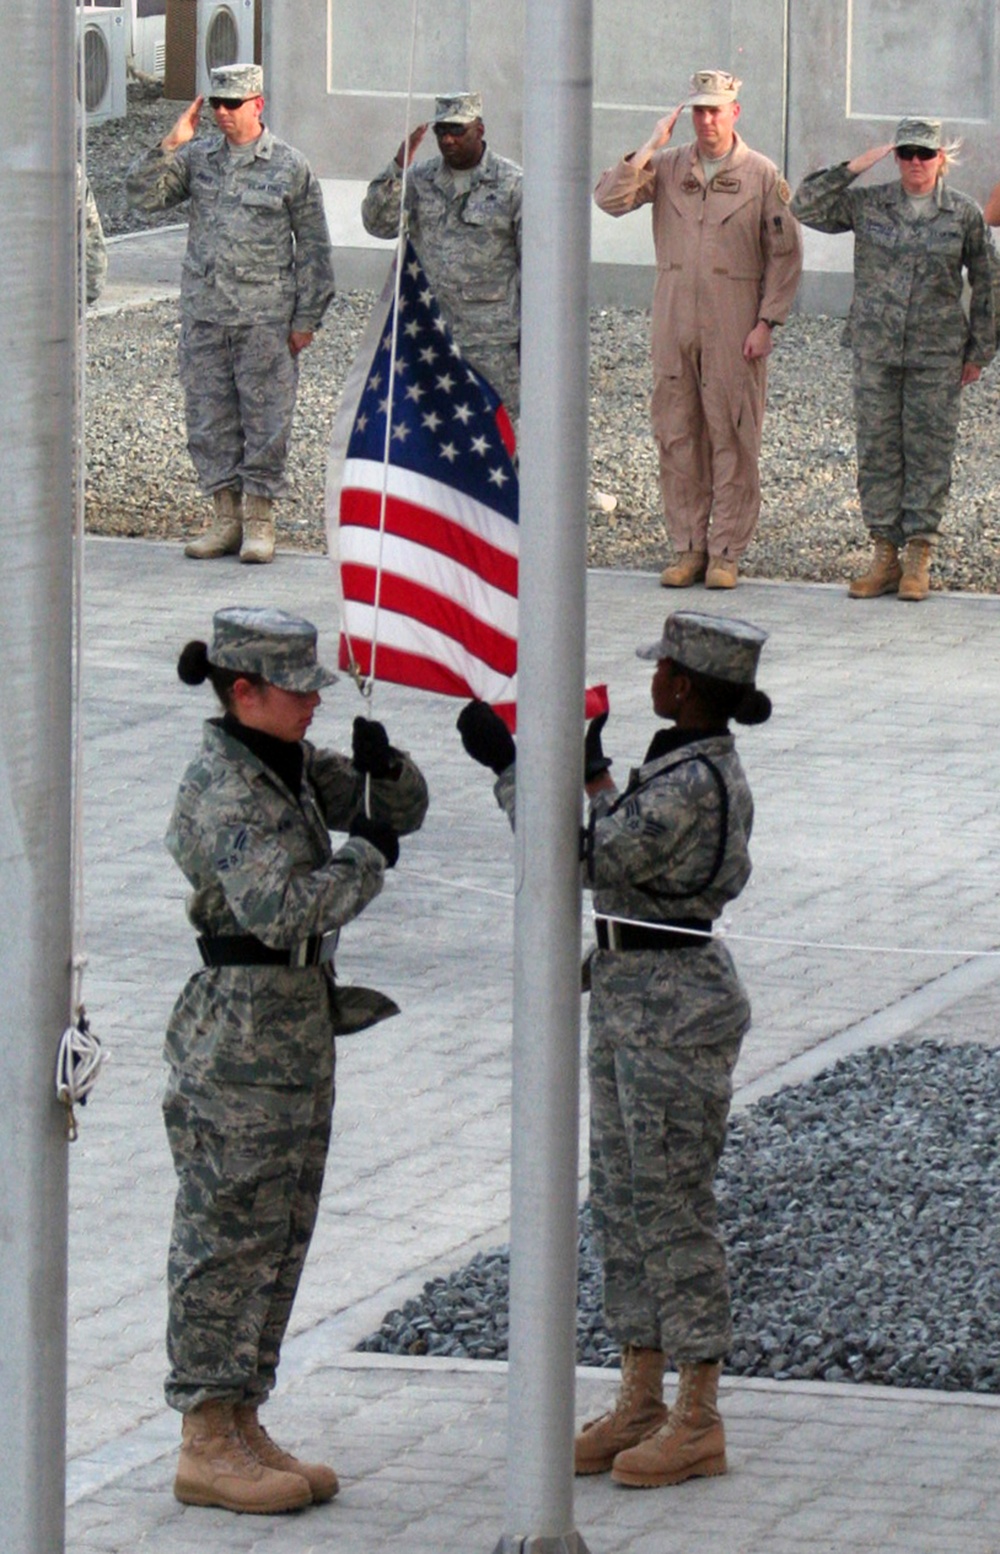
(594, 760)
(381, 835)
(486, 736)
(371, 752)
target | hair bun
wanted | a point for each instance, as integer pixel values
(754, 707)
(192, 666)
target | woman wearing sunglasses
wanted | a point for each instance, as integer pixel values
(914, 347)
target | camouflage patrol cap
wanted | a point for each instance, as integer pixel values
(458, 108)
(234, 81)
(713, 89)
(918, 132)
(717, 645)
(253, 639)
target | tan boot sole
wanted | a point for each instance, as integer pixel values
(708, 1467)
(199, 1494)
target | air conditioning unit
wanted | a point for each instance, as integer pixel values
(225, 37)
(103, 45)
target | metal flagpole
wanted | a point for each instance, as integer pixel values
(550, 681)
(38, 324)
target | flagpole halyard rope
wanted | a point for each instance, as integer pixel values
(401, 239)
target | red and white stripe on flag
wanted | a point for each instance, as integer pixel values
(422, 510)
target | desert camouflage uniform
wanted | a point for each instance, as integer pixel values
(95, 248)
(665, 1033)
(910, 337)
(257, 268)
(469, 243)
(250, 1095)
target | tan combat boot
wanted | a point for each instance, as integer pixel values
(915, 582)
(224, 533)
(722, 573)
(639, 1409)
(883, 573)
(685, 571)
(322, 1481)
(217, 1467)
(692, 1444)
(258, 530)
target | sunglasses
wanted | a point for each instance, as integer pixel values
(915, 153)
(232, 103)
(452, 131)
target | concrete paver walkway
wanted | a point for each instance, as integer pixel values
(875, 849)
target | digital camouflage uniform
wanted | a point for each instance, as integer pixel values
(909, 335)
(95, 248)
(466, 229)
(728, 253)
(250, 1095)
(258, 267)
(665, 1033)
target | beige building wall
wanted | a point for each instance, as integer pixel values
(822, 80)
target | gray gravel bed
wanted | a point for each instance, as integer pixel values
(140, 481)
(861, 1214)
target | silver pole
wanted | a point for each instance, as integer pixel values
(557, 127)
(37, 331)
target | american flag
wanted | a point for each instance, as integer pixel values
(429, 585)
(430, 592)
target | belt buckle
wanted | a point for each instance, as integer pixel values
(612, 928)
(327, 945)
(299, 956)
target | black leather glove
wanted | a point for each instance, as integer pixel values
(486, 736)
(371, 752)
(381, 835)
(594, 760)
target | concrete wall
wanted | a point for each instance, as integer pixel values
(822, 80)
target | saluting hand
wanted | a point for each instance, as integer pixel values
(867, 159)
(411, 146)
(660, 136)
(186, 127)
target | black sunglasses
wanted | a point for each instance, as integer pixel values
(227, 102)
(453, 131)
(915, 153)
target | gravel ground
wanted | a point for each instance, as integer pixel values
(861, 1213)
(140, 481)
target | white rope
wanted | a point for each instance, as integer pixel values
(723, 931)
(79, 1057)
(367, 688)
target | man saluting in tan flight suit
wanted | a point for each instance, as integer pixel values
(728, 260)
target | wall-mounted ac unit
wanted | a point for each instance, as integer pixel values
(103, 44)
(225, 36)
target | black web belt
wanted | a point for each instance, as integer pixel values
(612, 934)
(245, 950)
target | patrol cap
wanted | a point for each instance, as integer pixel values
(255, 639)
(713, 89)
(235, 81)
(918, 132)
(458, 108)
(716, 645)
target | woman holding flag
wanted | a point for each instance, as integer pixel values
(667, 1017)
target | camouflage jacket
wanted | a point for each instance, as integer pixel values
(258, 247)
(468, 240)
(260, 862)
(95, 248)
(907, 303)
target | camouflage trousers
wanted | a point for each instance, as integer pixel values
(239, 387)
(501, 367)
(249, 1162)
(907, 424)
(659, 1104)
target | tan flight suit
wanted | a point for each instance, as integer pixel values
(727, 255)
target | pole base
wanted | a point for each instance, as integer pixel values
(572, 1543)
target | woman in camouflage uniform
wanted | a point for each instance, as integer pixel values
(667, 1017)
(250, 1043)
(914, 348)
